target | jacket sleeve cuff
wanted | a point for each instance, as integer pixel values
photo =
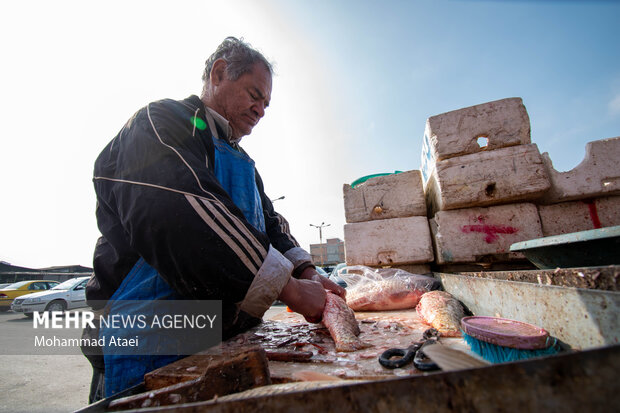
(300, 259)
(267, 285)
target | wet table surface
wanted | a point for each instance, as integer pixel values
(289, 332)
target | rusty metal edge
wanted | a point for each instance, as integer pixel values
(603, 278)
(582, 318)
(579, 381)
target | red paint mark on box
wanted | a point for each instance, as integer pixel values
(491, 231)
(596, 222)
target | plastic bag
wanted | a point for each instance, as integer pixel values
(371, 289)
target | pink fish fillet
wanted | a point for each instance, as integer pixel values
(342, 325)
(442, 311)
(390, 294)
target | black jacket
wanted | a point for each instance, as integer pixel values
(157, 198)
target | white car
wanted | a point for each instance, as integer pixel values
(65, 296)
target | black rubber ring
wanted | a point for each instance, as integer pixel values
(403, 357)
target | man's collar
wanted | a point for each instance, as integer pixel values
(224, 125)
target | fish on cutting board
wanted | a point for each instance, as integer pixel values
(342, 325)
(442, 311)
(385, 289)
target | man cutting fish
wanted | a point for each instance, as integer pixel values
(183, 213)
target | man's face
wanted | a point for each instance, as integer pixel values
(243, 101)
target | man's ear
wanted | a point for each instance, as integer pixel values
(218, 72)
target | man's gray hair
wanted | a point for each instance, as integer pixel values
(239, 57)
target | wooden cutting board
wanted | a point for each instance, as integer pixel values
(200, 377)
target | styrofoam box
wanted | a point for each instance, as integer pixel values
(470, 235)
(392, 196)
(575, 216)
(488, 126)
(597, 175)
(388, 242)
(424, 269)
(496, 177)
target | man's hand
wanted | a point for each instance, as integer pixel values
(311, 274)
(306, 297)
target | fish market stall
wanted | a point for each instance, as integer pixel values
(297, 367)
(484, 211)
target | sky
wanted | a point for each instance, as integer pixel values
(355, 82)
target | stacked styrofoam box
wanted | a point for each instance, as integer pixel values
(387, 223)
(481, 173)
(484, 186)
(583, 198)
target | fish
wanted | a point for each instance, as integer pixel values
(389, 293)
(308, 375)
(442, 311)
(342, 325)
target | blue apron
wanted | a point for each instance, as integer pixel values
(143, 283)
(235, 172)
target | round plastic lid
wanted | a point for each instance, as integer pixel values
(505, 332)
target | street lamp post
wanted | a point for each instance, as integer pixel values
(320, 227)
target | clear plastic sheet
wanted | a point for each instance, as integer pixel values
(377, 289)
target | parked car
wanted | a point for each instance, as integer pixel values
(12, 291)
(336, 278)
(328, 269)
(322, 272)
(65, 296)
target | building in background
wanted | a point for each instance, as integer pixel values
(330, 252)
(12, 273)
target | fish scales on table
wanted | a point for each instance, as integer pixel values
(392, 293)
(442, 311)
(342, 325)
